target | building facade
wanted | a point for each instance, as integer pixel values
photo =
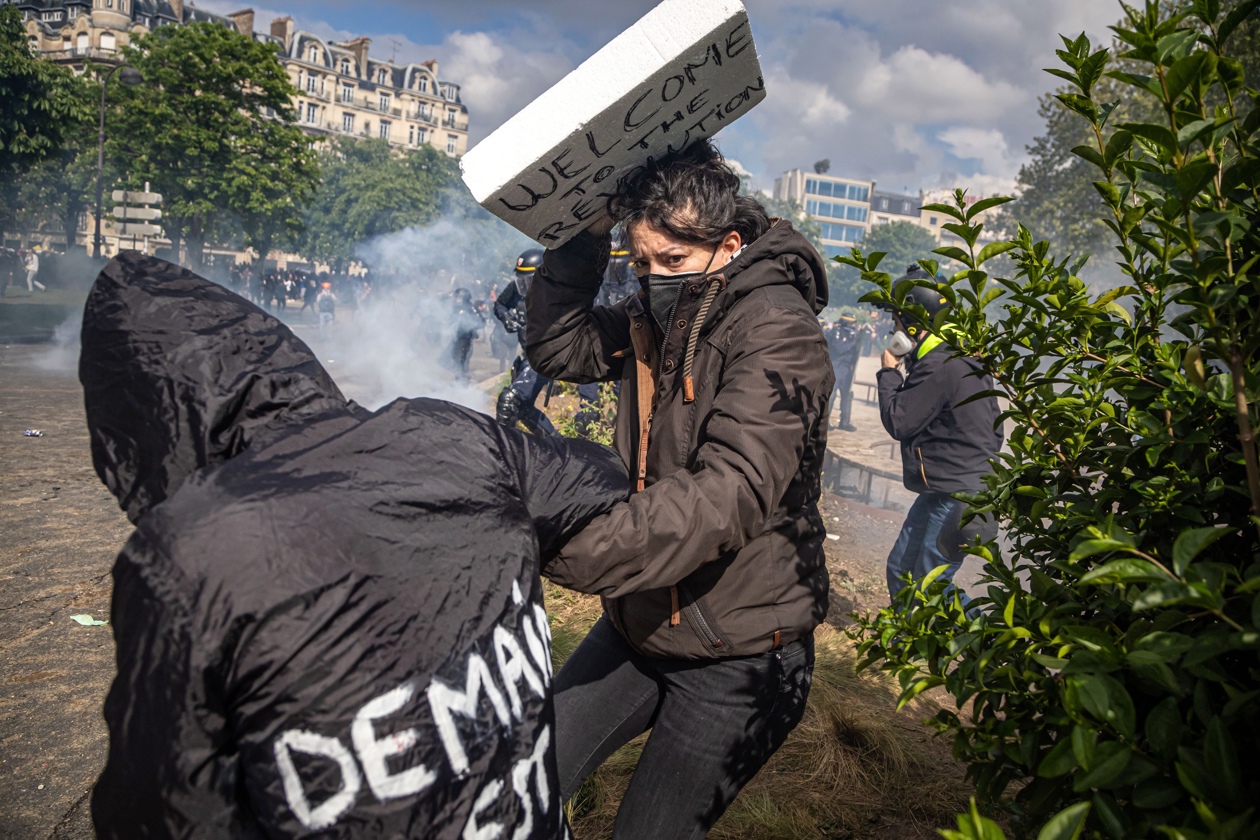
(73, 31)
(841, 206)
(848, 208)
(343, 90)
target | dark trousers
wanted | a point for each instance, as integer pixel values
(714, 724)
(843, 388)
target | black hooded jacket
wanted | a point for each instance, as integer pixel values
(947, 432)
(328, 620)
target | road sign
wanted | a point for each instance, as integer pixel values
(140, 214)
(137, 230)
(125, 197)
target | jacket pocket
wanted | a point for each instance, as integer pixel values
(705, 626)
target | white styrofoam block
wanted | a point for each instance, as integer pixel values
(679, 74)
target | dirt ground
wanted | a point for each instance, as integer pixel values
(62, 529)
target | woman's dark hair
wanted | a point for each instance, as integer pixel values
(692, 195)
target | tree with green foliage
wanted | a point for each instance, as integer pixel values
(371, 189)
(54, 194)
(1110, 673)
(902, 243)
(213, 129)
(1057, 199)
(41, 105)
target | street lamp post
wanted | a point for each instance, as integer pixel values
(130, 77)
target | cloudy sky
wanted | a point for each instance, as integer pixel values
(914, 93)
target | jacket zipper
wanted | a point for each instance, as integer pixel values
(694, 608)
(922, 467)
(665, 328)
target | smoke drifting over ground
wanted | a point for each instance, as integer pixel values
(397, 344)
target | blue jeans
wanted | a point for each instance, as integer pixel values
(929, 538)
(714, 724)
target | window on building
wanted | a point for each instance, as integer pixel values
(73, 12)
(345, 67)
(841, 233)
(384, 129)
(50, 16)
(381, 76)
(312, 113)
(84, 41)
(422, 135)
(931, 220)
(347, 123)
(109, 42)
(411, 135)
(347, 93)
(312, 55)
(311, 84)
(423, 84)
(384, 102)
(452, 143)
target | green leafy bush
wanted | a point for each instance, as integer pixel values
(1109, 684)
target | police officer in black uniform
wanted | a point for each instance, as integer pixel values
(843, 344)
(516, 402)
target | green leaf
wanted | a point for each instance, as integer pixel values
(1106, 699)
(1124, 571)
(954, 253)
(986, 204)
(1221, 759)
(1067, 824)
(1089, 548)
(993, 249)
(1060, 761)
(1184, 72)
(1119, 143)
(946, 210)
(1082, 105)
(1207, 10)
(1110, 760)
(1190, 544)
(1157, 793)
(1160, 135)
(1090, 154)
(1234, 19)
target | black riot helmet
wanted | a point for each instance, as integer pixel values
(930, 299)
(619, 252)
(526, 265)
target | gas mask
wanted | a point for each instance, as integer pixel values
(900, 344)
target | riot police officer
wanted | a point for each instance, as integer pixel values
(516, 402)
(842, 343)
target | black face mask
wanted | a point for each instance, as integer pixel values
(665, 290)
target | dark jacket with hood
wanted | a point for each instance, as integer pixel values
(946, 442)
(327, 620)
(722, 421)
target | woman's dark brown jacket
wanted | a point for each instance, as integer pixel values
(722, 422)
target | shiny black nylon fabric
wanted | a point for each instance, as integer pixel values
(314, 587)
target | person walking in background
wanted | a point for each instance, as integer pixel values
(32, 270)
(468, 324)
(516, 403)
(326, 305)
(843, 343)
(947, 439)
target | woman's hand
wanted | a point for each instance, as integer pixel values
(888, 360)
(603, 225)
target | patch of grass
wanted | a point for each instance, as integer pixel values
(853, 768)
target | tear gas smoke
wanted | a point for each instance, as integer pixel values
(398, 342)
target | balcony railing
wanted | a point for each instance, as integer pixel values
(458, 125)
(75, 53)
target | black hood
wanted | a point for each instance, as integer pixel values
(179, 373)
(780, 256)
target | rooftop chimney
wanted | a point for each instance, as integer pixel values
(282, 28)
(244, 21)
